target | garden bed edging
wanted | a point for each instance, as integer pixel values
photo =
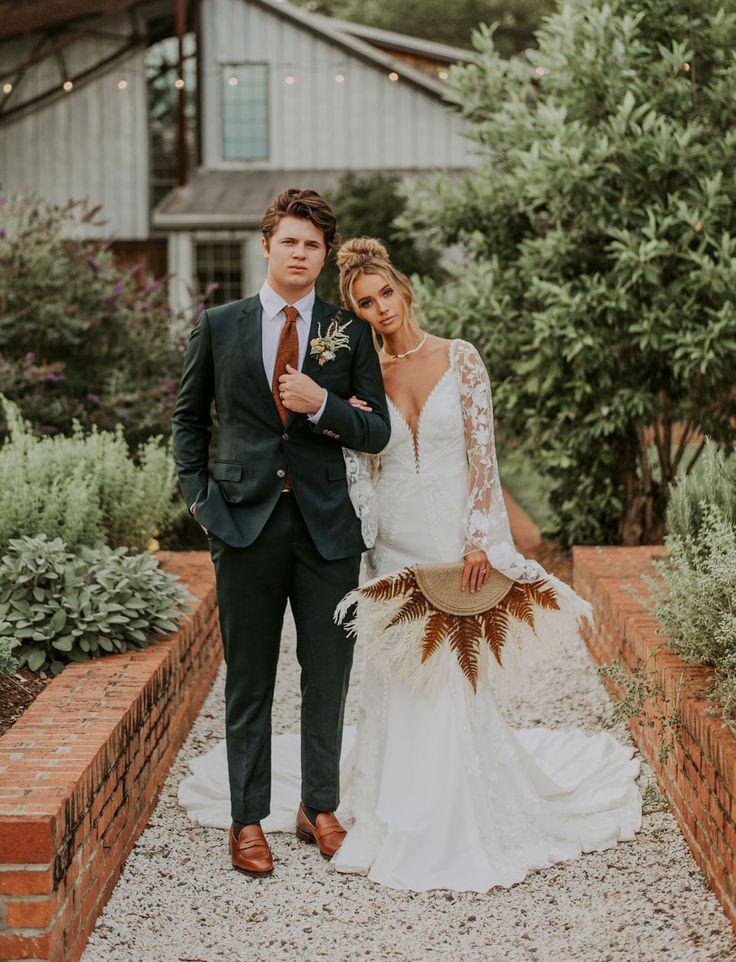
(699, 776)
(81, 770)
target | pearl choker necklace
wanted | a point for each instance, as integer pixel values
(413, 350)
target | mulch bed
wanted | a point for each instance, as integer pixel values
(17, 692)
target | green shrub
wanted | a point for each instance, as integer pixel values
(697, 602)
(700, 595)
(8, 663)
(85, 489)
(712, 481)
(65, 607)
(598, 237)
(81, 339)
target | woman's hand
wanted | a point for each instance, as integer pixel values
(477, 570)
(357, 403)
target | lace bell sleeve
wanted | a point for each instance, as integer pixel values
(477, 408)
(361, 471)
(486, 524)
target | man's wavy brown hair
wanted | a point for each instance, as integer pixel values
(306, 204)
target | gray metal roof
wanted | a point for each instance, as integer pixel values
(324, 27)
(238, 198)
(441, 52)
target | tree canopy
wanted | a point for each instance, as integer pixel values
(451, 23)
(599, 250)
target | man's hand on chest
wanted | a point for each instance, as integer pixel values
(299, 393)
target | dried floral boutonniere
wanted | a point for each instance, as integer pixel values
(324, 348)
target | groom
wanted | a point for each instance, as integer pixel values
(276, 509)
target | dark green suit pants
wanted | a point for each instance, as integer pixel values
(253, 586)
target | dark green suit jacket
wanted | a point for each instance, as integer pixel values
(224, 362)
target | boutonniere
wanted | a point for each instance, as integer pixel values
(325, 347)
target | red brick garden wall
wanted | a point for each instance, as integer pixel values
(81, 770)
(699, 776)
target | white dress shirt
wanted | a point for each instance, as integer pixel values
(272, 323)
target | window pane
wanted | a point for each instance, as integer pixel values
(221, 263)
(245, 112)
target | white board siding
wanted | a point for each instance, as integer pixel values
(367, 122)
(90, 143)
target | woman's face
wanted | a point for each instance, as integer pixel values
(379, 303)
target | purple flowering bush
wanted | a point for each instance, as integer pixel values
(80, 340)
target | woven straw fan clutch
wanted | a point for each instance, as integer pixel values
(422, 608)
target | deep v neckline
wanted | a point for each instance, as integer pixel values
(414, 434)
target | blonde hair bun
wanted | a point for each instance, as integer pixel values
(359, 250)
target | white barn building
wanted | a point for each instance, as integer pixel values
(281, 98)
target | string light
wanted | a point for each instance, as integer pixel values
(233, 81)
(443, 75)
(393, 76)
(68, 85)
(686, 67)
(539, 71)
(179, 83)
(122, 84)
(339, 78)
(7, 88)
(289, 79)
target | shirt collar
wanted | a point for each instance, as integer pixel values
(274, 303)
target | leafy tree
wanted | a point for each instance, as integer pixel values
(599, 239)
(367, 206)
(443, 22)
(81, 340)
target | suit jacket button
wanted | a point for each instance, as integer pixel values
(284, 436)
(281, 473)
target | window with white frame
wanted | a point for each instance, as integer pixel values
(220, 263)
(245, 111)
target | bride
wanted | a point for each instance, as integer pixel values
(438, 790)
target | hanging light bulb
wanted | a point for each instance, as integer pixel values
(233, 81)
(339, 78)
(179, 83)
(7, 88)
(68, 85)
(393, 76)
(289, 79)
(122, 84)
(443, 75)
(539, 71)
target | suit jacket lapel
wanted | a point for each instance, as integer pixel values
(321, 314)
(251, 337)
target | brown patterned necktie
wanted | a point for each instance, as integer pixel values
(287, 353)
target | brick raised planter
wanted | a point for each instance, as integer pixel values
(81, 770)
(699, 777)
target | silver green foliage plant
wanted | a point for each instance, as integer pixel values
(85, 489)
(8, 663)
(711, 483)
(696, 601)
(63, 606)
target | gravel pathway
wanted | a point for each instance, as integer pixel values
(178, 899)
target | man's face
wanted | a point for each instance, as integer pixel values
(295, 253)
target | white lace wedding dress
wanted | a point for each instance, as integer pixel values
(438, 790)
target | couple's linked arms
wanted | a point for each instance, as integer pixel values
(361, 429)
(363, 426)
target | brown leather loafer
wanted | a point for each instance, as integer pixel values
(250, 852)
(328, 833)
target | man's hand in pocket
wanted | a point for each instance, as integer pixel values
(193, 509)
